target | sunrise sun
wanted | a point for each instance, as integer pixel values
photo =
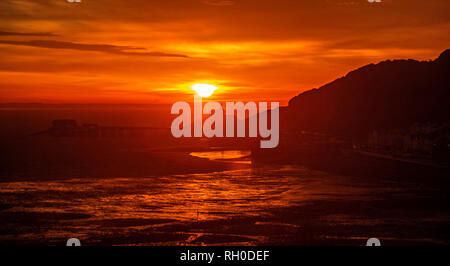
(204, 90)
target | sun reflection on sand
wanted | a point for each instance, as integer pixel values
(91, 203)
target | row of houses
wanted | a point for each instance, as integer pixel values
(430, 140)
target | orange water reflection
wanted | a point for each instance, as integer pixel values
(235, 156)
(177, 198)
(246, 206)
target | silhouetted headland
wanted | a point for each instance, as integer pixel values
(394, 110)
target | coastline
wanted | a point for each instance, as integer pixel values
(64, 158)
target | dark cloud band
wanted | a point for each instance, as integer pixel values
(10, 33)
(106, 48)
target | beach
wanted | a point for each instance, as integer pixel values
(287, 205)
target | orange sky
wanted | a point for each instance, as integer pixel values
(129, 51)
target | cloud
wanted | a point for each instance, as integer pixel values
(218, 2)
(106, 48)
(9, 33)
(260, 48)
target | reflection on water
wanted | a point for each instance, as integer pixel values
(235, 156)
(251, 206)
(211, 195)
(173, 199)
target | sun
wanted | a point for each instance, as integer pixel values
(204, 90)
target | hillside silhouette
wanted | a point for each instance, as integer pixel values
(390, 94)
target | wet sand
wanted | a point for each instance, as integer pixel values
(40, 158)
(283, 205)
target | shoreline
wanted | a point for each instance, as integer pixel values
(55, 159)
